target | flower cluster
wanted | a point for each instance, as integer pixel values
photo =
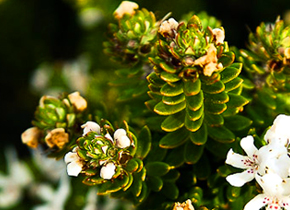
(98, 153)
(268, 165)
(53, 118)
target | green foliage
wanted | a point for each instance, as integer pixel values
(198, 105)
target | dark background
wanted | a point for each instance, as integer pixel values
(34, 31)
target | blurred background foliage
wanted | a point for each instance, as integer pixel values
(33, 32)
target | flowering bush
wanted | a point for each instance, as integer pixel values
(183, 113)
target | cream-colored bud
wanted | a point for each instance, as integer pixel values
(187, 205)
(31, 137)
(91, 126)
(77, 101)
(126, 7)
(74, 163)
(219, 35)
(121, 138)
(108, 171)
(57, 137)
(168, 27)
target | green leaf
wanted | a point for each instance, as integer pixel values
(143, 193)
(192, 152)
(155, 95)
(137, 182)
(173, 122)
(167, 68)
(214, 120)
(155, 183)
(238, 122)
(236, 101)
(169, 77)
(202, 168)
(235, 83)
(267, 99)
(173, 100)
(144, 143)
(221, 134)
(195, 102)
(199, 137)
(174, 139)
(157, 168)
(231, 72)
(214, 108)
(193, 125)
(227, 58)
(171, 176)
(219, 98)
(156, 153)
(151, 104)
(192, 87)
(170, 90)
(170, 190)
(175, 157)
(214, 88)
(130, 182)
(154, 122)
(164, 109)
(132, 166)
(194, 115)
(109, 187)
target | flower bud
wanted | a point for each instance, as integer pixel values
(122, 140)
(31, 136)
(78, 101)
(126, 7)
(57, 137)
(187, 205)
(219, 35)
(168, 27)
(91, 126)
(108, 171)
(74, 163)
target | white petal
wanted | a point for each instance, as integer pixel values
(239, 179)
(236, 160)
(123, 142)
(279, 130)
(71, 157)
(119, 132)
(91, 126)
(74, 168)
(256, 203)
(108, 171)
(108, 136)
(248, 146)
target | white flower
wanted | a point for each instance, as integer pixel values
(279, 131)
(126, 7)
(249, 163)
(74, 163)
(18, 178)
(91, 126)
(274, 159)
(54, 199)
(168, 27)
(108, 171)
(121, 138)
(219, 35)
(275, 194)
